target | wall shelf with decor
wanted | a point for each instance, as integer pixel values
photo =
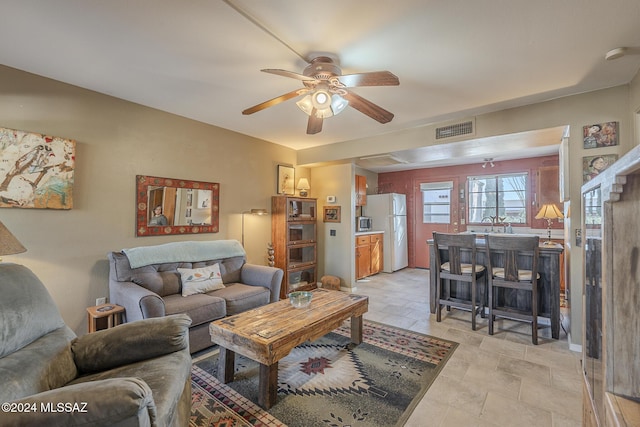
(294, 240)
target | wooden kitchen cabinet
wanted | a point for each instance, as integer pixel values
(363, 258)
(548, 184)
(376, 253)
(361, 190)
(368, 255)
(547, 190)
(294, 239)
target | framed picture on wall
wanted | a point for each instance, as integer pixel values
(179, 203)
(600, 135)
(331, 214)
(592, 166)
(36, 170)
(286, 179)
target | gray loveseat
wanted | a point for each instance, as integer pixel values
(147, 283)
(131, 375)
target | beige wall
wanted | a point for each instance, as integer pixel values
(336, 253)
(116, 140)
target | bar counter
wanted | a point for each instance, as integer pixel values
(549, 287)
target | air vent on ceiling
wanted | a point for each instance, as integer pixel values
(380, 160)
(464, 128)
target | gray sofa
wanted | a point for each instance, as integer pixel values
(146, 282)
(131, 375)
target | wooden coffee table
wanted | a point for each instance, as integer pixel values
(268, 333)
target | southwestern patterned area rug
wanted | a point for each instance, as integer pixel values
(327, 382)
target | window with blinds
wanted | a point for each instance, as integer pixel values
(502, 196)
(436, 202)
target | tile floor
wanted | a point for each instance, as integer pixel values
(500, 380)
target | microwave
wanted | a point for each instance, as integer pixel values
(364, 223)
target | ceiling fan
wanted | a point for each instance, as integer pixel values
(326, 92)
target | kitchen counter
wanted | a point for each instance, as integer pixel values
(365, 233)
(549, 290)
(556, 234)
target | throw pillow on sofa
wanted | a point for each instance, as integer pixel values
(200, 280)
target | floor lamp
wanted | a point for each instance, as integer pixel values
(549, 212)
(252, 212)
(9, 245)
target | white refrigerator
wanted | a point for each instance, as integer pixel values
(389, 214)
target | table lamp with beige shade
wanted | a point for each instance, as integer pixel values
(303, 186)
(9, 245)
(549, 212)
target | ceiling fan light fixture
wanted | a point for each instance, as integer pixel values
(325, 103)
(338, 104)
(326, 92)
(324, 113)
(308, 104)
(321, 99)
(305, 105)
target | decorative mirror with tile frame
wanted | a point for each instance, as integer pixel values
(166, 206)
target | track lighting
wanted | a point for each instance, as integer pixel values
(488, 161)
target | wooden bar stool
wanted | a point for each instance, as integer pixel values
(112, 312)
(506, 258)
(448, 250)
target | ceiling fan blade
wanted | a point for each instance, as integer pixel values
(369, 108)
(376, 78)
(275, 101)
(291, 74)
(314, 125)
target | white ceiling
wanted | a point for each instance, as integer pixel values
(202, 59)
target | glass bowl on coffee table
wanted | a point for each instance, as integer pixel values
(300, 299)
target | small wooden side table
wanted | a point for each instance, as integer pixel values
(112, 312)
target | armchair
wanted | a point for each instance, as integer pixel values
(130, 375)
